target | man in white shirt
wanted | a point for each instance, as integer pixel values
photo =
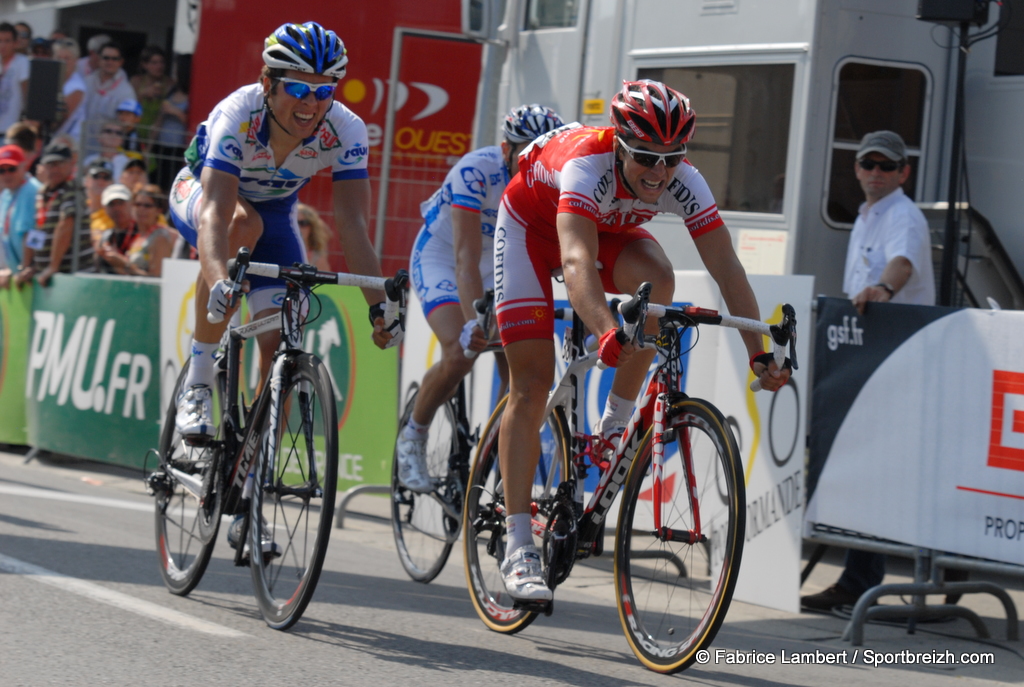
(13, 77)
(889, 258)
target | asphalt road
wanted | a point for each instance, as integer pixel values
(82, 603)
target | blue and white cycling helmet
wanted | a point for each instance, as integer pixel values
(527, 122)
(306, 48)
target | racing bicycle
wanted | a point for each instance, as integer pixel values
(273, 462)
(680, 524)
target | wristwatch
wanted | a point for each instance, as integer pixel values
(882, 285)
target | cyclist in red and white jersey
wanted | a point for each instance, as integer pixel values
(578, 204)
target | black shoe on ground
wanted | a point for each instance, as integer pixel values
(830, 598)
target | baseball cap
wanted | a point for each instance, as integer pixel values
(130, 106)
(55, 152)
(887, 143)
(11, 156)
(135, 162)
(115, 192)
(99, 166)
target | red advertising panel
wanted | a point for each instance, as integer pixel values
(436, 97)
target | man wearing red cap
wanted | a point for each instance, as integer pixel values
(17, 208)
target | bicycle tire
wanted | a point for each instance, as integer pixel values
(293, 494)
(667, 614)
(186, 525)
(484, 531)
(424, 532)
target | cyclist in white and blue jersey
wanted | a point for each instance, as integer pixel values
(452, 265)
(248, 160)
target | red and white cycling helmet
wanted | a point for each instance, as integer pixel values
(652, 112)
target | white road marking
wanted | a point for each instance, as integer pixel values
(66, 496)
(117, 599)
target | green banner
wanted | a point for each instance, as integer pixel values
(15, 308)
(365, 381)
(92, 389)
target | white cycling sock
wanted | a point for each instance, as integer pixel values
(616, 411)
(519, 534)
(200, 370)
(414, 430)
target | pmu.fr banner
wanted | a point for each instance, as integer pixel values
(918, 427)
(364, 379)
(91, 386)
(15, 307)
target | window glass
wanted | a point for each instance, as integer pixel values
(551, 14)
(871, 98)
(742, 133)
(1010, 41)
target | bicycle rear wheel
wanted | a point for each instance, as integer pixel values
(292, 504)
(484, 522)
(426, 525)
(673, 596)
(188, 488)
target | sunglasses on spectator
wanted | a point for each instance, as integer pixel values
(102, 176)
(305, 223)
(646, 158)
(884, 165)
(300, 89)
(145, 205)
(111, 58)
(8, 170)
(115, 132)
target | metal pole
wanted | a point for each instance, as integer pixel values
(950, 246)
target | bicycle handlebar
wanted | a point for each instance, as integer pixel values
(635, 311)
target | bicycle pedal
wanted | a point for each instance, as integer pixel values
(198, 441)
(545, 607)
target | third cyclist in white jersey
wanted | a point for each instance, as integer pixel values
(452, 265)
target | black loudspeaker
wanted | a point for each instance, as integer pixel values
(953, 11)
(43, 86)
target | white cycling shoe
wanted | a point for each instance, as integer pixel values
(412, 464)
(194, 418)
(523, 575)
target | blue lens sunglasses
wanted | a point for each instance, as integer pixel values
(300, 89)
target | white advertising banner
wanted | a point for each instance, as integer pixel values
(929, 447)
(177, 317)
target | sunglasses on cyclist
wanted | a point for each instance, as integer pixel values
(646, 158)
(884, 165)
(300, 89)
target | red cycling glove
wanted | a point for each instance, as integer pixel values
(611, 346)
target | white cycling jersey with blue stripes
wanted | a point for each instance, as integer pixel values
(236, 139)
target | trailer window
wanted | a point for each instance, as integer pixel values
(872, 97)
(551, 14)
(1010, 41)
(742, 133)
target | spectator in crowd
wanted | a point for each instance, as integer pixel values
(17, 209)
(59, 34)
(25, 135)
(315, 236)
(128, 113)
(114, 242)
(69, 107)
(24, 38)
(98, 177)
(91, 62)
(134, 175)
(107, 87)
(152, 85)
(42, 48)
(137, 246)
(111, 136)
(13, 77)
(888, 260)
(50, 247)
(171, 137)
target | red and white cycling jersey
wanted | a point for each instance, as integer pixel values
(572, 169)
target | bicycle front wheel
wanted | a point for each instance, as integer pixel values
(673, 596)
(188, 488)
(426, 525)
(484, 521)
(292, 504)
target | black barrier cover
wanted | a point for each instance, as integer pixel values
(848, 348)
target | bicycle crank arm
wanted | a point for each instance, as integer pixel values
(193, 485)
